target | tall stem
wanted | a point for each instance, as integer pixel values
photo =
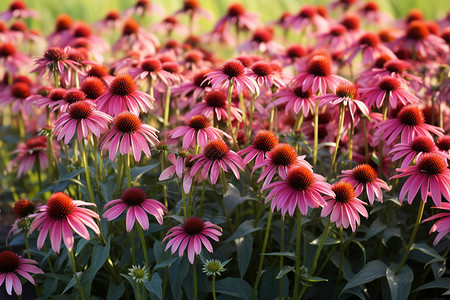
(230, 128)
(366, 142)
(166, 109)
(127, 167)
(166, 203)
(86, 171)
(202, 199)
(280, 286)
(261, 258)
(74, 269)
(133, 250)
(341, 261)
(297, 254)
(252, 111)
(213, 284)
(194, 270)
(316, 132)
(380, 156)
(144, 245)
(27, 246)
(338, 138)
(413, 236)
(350, 141)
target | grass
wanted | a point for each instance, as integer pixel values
(93, 10)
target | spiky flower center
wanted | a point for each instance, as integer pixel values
(127, 122)
(78, 54)
(97, 71)
(236, 10)
(417, 30)
(381, 60)
(443, 143)
(338, 30)
(432, 164)
(298, 91)
(199, 79)
(295, 51)
(9, 262)
(171, 67)
(411, 116)
(263, 35)
(123, 85)
(193, 57)
(55, 54)
(396, 66)
(93, 87)
(307, 12)
(351, 22)
(57, 94)
(346, 90)
(63, 22)
(422, 144)
(364, 173)
(389, 84)
(199, 122)
(344, 191)
(262, 68)
(191, 5)
(216, 150)
(112, 15)
(193, 226)
(59, 205)
(245, 60)
(265, 140)
(300, 178)
(130, 27)
(370, 7)
(233, 68)
(7, 49)
(133, 196)
(216, 99)
(82, 30)
(151, 65)
(80, 110)
(15, 5)
(23, 208)
(18, 26)
(44, 91)
(283, 155)
(369, 39)
(319, 66)
(414, 14)
(188, 162)
(20, 90)
(74, 95)
(39, 142)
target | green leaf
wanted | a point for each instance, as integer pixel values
(235, 287)
(115, 291)
(137, 172)
(154, 286)
(99, 256)
(232, 198)
(286, 254)
(284, 271)
(244, 229)
(165, 263)
(424, 248)
(244, 248)
(363, 249)
(72, 282)
(375, 228)
(390, 233)
(177, 273)
(371, 271)
(440, 283)
(400, 284)
(328, 241)
(310, 278)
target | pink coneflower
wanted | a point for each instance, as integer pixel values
(135, 201)
(216, 156)
(237, 16)
(295, 99)
(81, 118)
(55, 61)
(443, 143)
(192, 8)
(93, 87)
(293, 54)
(151, 68)
(197, 132)
(389, 88)
(99, 71)
(34, 151)
(18, 9)
(344, 207)
(82, 30)
(192, 235)
(22, 209)
(10, 264)
(430, 175)
(281, 158)
(371, 48)
(131, 134)
(169, 25)
(262, 42)
(372, 13)
(181, 166)
(263, 142)
(59, 216)
(63, 24)
(345, 93)
(17, 94)
(443, 225)
(144, 7)
(51, 97)
(70, 97)
(136, 38)
(424, 44)
(195, 88)
(11, 59)
(307, 19)
(265, 75)
(123, 95)
(409, 123)
(336, 39)
(233, 71)
(318, 75)
(110, 22)
(301, 188)
(364, 176)
(418, 146)
(215, 104)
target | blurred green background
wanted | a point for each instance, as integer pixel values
(94, 10)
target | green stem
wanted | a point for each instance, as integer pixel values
(380, 156)
(280, 286)
(230, 128)
(350, 142)
(252, 111)
(74, 269)
(127, 167)
(150, 86)
(261, 258)
(166, 108)
(244, 112)
(138, 292)
(21, 126)
(341, 261)
(316, 132)
(413, 236)
(144, 246)
(27, 246)
(202, 199)
(338, 138)
(86, 171)
(194, 269)
(97, 175)
(183, 198)
(213, 284)
(297, 254)
(298, 122)
(366, 142)
(133, 250)
(50, 265)
(165, 185)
